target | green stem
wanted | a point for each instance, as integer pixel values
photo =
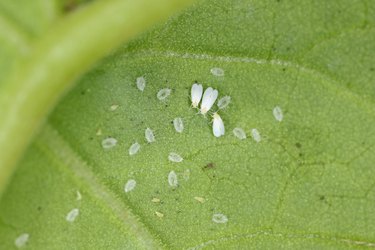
(59, 58)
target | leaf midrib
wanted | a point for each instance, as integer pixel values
(58, 150)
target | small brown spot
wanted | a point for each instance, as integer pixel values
(209, 166)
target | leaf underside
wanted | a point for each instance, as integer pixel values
(307, 184)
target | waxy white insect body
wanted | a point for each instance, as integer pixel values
(209, 98)
(196, 94)
(218, 125)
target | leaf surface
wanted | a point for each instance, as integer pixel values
(307, 184)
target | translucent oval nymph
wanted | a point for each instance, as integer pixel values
(134, 148)
(223, 102)
(22, 240)
(72, 215)
(141, 83)
(130, 185)
(219, 218)
(163, 94)
(149, 135)
(178, 124)
(217, 71)
(256, 135)
(173, 157)
(239, 133)
(278, 113)
(109, 142)
(172, 179)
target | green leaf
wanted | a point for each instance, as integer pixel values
(307, 184)
(60, 57)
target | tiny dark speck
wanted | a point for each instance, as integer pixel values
(372, 69)
(284, 69)
(322, 197)
(209, 166)
(166, 105)
(298, 145)
(39, 208)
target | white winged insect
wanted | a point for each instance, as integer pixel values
(218, 125)
(196, 94)
(209, 98)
